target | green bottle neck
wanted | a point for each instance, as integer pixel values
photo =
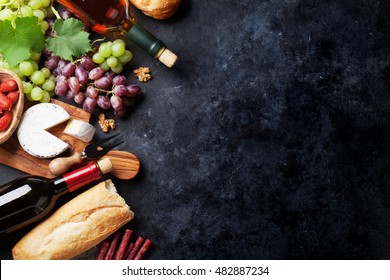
(145, 40)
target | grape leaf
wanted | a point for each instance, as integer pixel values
(19, 40)
(70, 39)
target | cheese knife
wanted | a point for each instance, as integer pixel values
(92, 151)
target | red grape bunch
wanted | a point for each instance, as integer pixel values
(91, 84)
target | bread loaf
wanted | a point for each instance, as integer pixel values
(77, 226)
(159, 9)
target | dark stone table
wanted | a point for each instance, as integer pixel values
(268, 140)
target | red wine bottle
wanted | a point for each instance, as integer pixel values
(113, 17)
(29, 199)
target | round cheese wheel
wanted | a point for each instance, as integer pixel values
(32, 131)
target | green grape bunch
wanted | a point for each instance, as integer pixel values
(10, 9)
(38, 84)
(112, 55)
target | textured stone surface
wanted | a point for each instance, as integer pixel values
(269, 139)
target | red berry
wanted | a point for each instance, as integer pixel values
(5, 120)
(5, 103)
(13, 96)
(9, 85)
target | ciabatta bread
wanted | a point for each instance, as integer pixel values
(77, 226)
(159, 9)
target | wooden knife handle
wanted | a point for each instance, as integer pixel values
(60, 165)
(126, 165)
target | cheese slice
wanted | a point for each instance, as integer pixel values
(32, 131)
(80, 130)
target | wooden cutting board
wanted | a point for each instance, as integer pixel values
(125, 164)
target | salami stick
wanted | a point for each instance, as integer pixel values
(143, 250)
(112, 248)
(103, 249)
(123, 245)
(136, 247)
(128, 251)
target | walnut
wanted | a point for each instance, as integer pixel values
(111, 123)
(106, 124)
(143, 74)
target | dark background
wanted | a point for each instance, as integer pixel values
(269, 139)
